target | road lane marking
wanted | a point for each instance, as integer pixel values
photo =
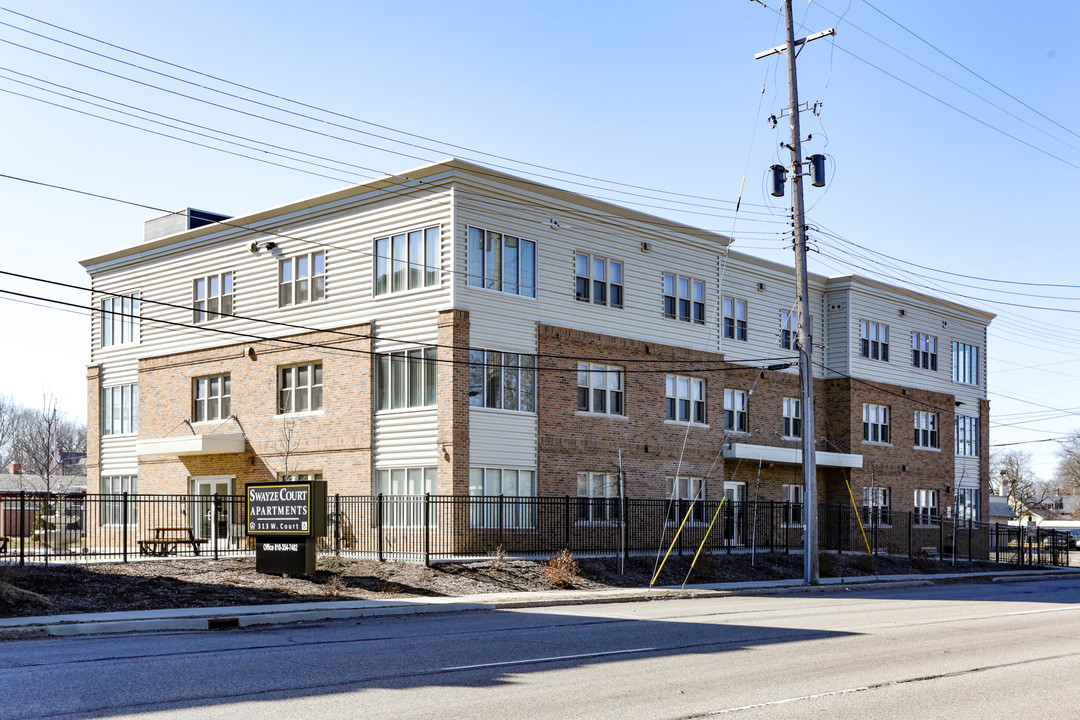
(557, 658)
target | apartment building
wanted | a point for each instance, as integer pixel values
(458, 330)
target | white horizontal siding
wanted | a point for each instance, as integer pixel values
(118, 455)
(502, 439)
(406, 438)
(967, 472)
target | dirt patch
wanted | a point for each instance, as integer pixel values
(166, 584)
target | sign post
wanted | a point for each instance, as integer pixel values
(286, 519)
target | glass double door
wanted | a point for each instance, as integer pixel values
(210, 523)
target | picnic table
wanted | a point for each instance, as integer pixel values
(166, 540)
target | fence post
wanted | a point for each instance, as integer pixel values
(337, 524)
(379, 524)
(625, 527)
(566, 522)
(427, 529)
(499, 505)
(940, 538)
(124, 523)
(970, 531)
(214, 524)
(22, 528)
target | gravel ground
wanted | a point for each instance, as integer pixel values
(61, 589)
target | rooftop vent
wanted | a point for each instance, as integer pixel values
(178, 222)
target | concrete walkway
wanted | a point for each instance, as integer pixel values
(244, 616)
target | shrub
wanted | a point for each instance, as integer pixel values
(561, 570)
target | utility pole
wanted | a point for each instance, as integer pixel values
(811, 575)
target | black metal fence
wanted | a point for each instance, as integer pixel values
(428, 528)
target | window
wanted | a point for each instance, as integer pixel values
(965, 363)
(734, 318)
(735, 411)
(793, 505)
(120, 320)
(405, 379)
(300, 388)
(302, 279)
(874, 340)
(598, 497)
(792, 412)
(926, 507)
(212, 297)
(923, 351)
(517, 504)
(685, 399)
(502, 380)
(689, 495)
(926, 429)
(599, 280)
(210, 398)
(502, 262)
(407, 261)
(967, 436)
(877, 506)
(967, 505)
(600, 389)
(120, 410)
(403, 491)
(789, 330)
(875, 423)
(305, 476)
(112, 507)
(684, 298)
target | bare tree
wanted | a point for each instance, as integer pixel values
(1067, 473)
(9, 415)
(41, 437)
(1017, 481)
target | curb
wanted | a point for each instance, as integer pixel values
(252, 616)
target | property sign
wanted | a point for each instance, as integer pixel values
(285, 508)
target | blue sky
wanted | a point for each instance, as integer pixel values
(929, 163)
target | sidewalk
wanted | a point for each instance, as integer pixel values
(219, 618)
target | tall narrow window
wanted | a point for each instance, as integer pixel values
(685, 399)
(735, 411)
(120, 319)
(789, 330)
(501, 262)
(734, 318)
(792, 412)
(684, 298)
(300, 388)
(875, 423)
(923, 351)
(302, 279)
(965, 363)
(926, 429)
(112, 503)
(120, 409)
(926, 507)
(877, 506)
(793, 496)
(967, 436)
(212, 297)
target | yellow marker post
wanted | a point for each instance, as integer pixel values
(704, 539)
(857, 518)
(673, 541)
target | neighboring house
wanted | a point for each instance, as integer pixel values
(22, 493)
(1000, 510)
(461, 331)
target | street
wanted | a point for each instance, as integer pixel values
(968, 650)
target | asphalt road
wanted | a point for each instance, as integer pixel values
(1008, 650)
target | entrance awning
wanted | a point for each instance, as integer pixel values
(192, 445)
(789, 456)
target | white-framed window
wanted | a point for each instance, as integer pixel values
(926, 507)
(877, 506)
(598, 497)
(965, 363)
(967, 435)
(212, 297)
(687, 494)
(302, 279)
(112, 507)
(874, 340)
(875, 423)
(793, 496)
(923, 351)
(403, 491)
(926, 429)
(792, 414)
(407, 261)
(736, 415)
(502, 262)
(120, 409)
(303, 476)
(600, 389)
(598, 280)
(684, 298)
(211, 398)
(300, 388)
(685, 399)
(405, 379)
(789, 330)
(734, 318)
(502, 380)
(967, 505)
(517, 489)
(120, 319)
